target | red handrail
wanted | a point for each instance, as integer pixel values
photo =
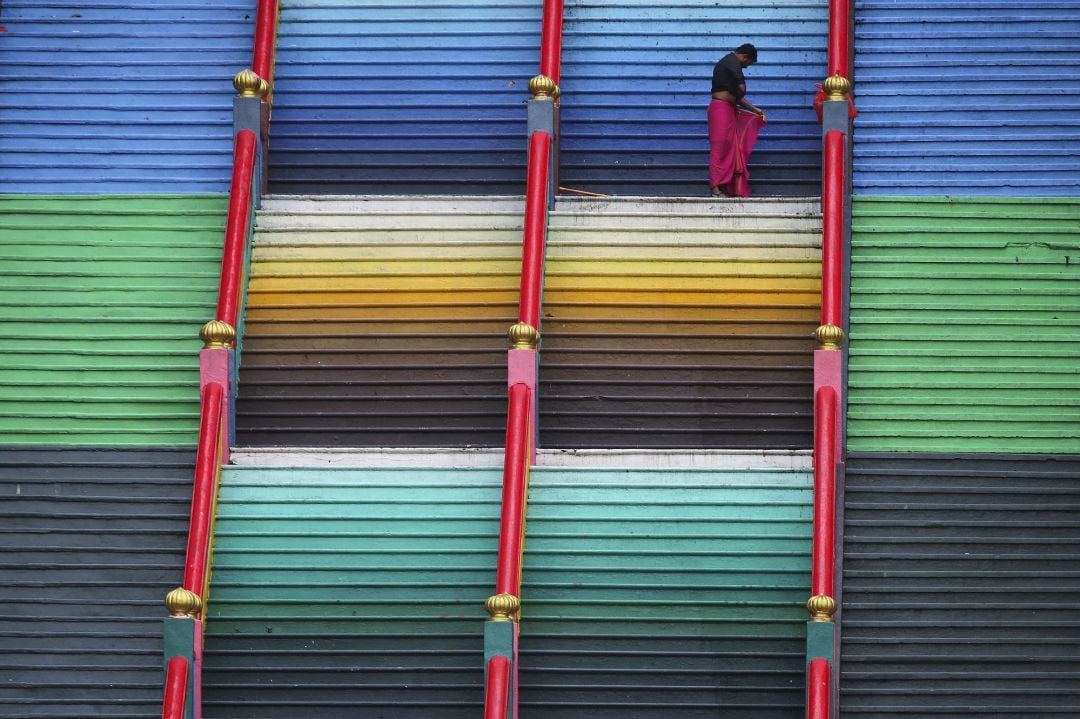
(515, 470)
(832, 243)
(532, 251)
(839, 22)
(236, 228)
(498, 688)
(175, 701)
(207, 465)
(262, 56)
(825, 405)
(817, 689)
(551, 40)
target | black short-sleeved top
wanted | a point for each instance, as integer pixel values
(728, 75)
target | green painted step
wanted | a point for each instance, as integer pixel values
(965, 325)
(101, 303)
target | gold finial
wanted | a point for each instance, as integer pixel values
(836, 87)
(216, 334)
(829, 337)
(183, 603)
(502, 606)
(248, 84)
(523, 336)
(543, 86)
(822, 607)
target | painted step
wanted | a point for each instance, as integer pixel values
(647, 592)
(86, 112)
(91, 541)
(349, 590)
(680, 323)
(657, 593)
(377, 97)
(102, 301)
(373, 324)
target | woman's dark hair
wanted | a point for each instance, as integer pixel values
(749, 50)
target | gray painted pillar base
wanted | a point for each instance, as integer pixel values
(834, 116)
(248, 114)
(542, 117)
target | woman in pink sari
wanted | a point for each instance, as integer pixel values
(732, 129)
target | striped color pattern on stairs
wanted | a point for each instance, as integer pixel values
(680, 323)
(660, 593)
(380, 322)
(960, 586)
(350, 592)
(120, 96)
(91, 541)
(101, 303)
(346, 590)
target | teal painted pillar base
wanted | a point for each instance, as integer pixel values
(501, 640)
(180, 636)
(820, 637)
(820, 644)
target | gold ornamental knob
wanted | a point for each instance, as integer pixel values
(216, 334)
(248, 84)
(183, 603)
(829, 337)
(822, 607)
(836, 87)
(502, 606)
(523, 336)
(543, 86)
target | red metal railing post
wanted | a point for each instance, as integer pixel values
(508, 574)
(236, 228)
(174, 704)
(833, 219)
(207, 467)
(551, 40)
(262, 56)
(498, 688)
(836, 111)
(501, 631)
(532, 253)
(824, 491)
(817, 689)
(839, 22)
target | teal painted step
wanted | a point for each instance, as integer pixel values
(658, 593)
(359, 592)
(351, 592)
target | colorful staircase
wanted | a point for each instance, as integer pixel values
(351, 592)
(128, 97)
(90, 542)
(377, 322)
(680, 323)
(102, 301)
(344, 590)
(667, 323)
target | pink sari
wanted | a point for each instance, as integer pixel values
(732, 135)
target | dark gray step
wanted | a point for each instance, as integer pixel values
(93, 539)
(960, 586)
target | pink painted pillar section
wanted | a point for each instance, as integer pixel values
(215, 367)
(521, 369)
(829, 372)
